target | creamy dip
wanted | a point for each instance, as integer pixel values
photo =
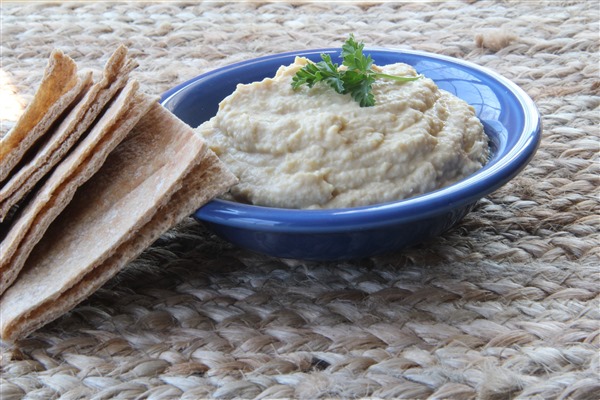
(314, 148)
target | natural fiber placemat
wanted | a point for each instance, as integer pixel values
(503, 306)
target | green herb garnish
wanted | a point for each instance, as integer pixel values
(357, 78)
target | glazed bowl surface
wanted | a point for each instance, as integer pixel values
(510, 118)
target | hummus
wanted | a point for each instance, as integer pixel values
(313, 148)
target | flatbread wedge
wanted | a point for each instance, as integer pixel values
(58, 190)
(64, 136)
(60, 85)
(155, 178)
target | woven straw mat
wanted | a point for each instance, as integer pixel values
(505, 305)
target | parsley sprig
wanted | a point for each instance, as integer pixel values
(356, 79)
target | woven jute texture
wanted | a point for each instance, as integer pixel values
(503, 306)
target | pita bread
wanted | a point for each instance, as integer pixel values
(71, 128)
(89, 155)
(60, 85)
(154, 179)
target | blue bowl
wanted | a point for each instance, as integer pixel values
(509, 116)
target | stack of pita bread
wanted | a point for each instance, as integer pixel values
(90, 175)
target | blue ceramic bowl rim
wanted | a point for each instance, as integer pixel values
(463, 193)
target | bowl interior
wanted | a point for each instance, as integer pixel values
(509, 116)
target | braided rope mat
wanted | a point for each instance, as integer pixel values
(503, 306)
